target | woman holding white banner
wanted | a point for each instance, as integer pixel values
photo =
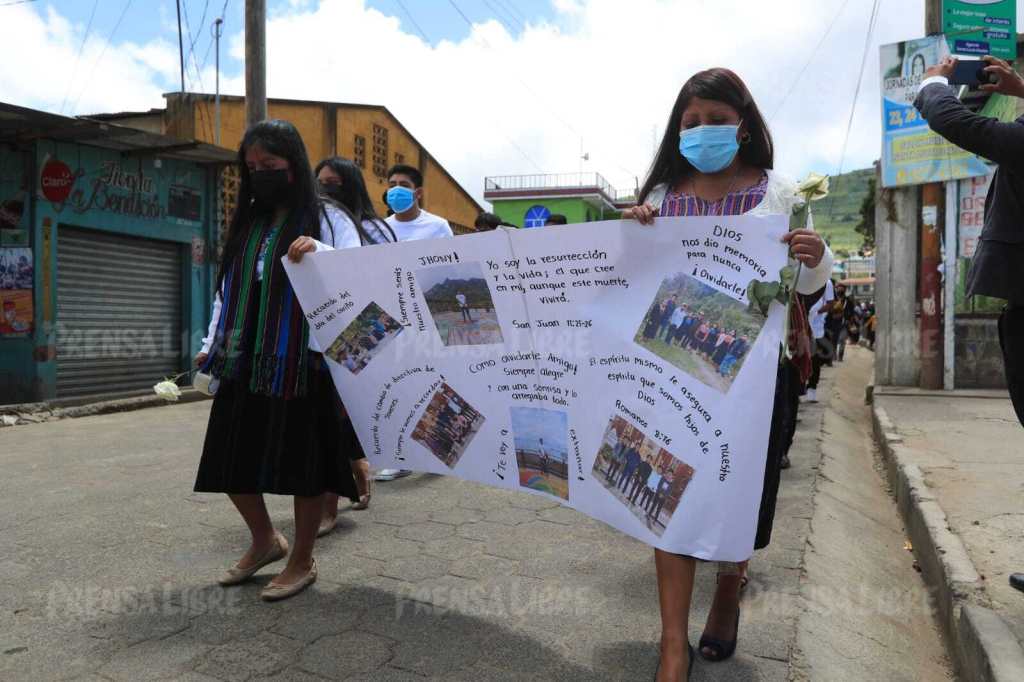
(716, 159)
(275, 420)
(341, 181)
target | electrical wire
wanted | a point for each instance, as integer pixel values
(78, 57)
(408, 14)
(856, 94)
(99, 58)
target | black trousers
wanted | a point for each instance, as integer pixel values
(1011, 338)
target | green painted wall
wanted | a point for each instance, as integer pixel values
(574, 209)
(107, 195)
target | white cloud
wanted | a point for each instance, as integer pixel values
(607, 71)
(43, 69)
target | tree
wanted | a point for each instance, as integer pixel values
(866, 226)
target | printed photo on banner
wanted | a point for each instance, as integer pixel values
(645, 477)
(542, 451)
(700, 330)
(364, 338)
(447, 426)
(460, 303)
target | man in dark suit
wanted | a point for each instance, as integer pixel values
(999, 259)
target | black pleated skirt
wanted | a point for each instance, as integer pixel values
(259, 444)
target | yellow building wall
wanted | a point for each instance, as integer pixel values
(442, 196)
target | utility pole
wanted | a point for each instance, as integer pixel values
(181, 49)
(255, 61)
(933, 216)
(216, 96)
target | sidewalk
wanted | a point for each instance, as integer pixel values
(956, 464)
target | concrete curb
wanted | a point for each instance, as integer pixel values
(34, 413)
(983, 646)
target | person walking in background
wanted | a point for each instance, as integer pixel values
(275, 424)
(999, 258)
(409, 221)
(341, 182)
(486, 222)
(839, 316)
(822, 350)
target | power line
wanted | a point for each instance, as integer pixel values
(15, 2)
(810, 60)
(503, 13)
(856, 94)
(505, 135)
(209, 46)
(127, 4)
(513, 9)
(78, 57)
(408, 14)
(206, 125)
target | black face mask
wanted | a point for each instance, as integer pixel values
(270, 188)
(332, 190)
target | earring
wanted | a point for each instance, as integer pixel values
(745, 139)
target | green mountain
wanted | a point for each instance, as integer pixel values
(836, 216)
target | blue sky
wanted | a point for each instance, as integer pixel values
(525, 90)
(147, 20)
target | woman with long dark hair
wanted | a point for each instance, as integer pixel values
(275, 420)
(716, 159)
(341, 181)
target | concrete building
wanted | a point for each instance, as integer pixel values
(528, 200)
(366, 133)
(106, 236)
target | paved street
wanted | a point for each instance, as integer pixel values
(110, 562)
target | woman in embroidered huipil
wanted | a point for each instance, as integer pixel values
(716, 159)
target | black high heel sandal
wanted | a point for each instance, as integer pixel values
(721, 650)
(689, 666)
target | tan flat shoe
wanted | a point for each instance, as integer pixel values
(364, 500)
(326, 527)
(275, 592)
(236, 575)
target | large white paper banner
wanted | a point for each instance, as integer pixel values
(613, 367)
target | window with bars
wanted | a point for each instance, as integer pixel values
(380, 150)
(359, 151)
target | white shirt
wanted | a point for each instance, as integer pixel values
(817, 317)
(336, 232)
(677, 317)
(424, 226)
(461, 299)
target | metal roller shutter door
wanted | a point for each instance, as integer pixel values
(118, 312)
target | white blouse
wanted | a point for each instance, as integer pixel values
(337, 231)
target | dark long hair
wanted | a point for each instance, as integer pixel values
(720, 85)
(279, 138)
(355, 199)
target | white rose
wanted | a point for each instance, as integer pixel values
(814, 187)
(168, 390)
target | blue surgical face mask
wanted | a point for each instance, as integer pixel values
(401, 199)
(709, 149)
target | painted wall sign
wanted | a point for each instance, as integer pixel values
(56, 181)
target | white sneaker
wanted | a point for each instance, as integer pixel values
(811, 396)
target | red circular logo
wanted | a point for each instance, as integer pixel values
(56, 181)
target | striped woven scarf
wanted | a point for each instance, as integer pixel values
(272, 344)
